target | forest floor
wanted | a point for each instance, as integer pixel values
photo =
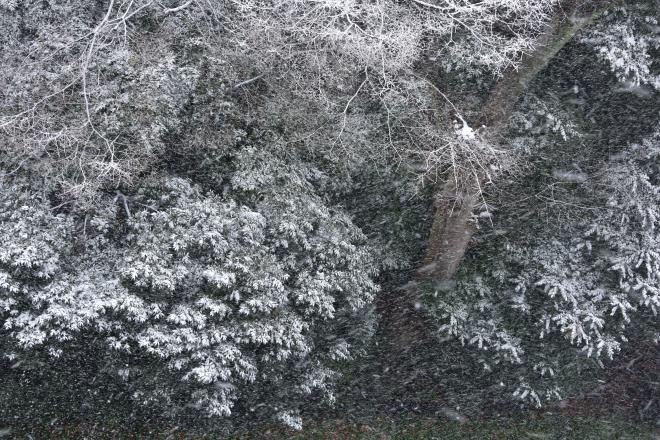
(530, 426)
(625, 406)
(546, 426)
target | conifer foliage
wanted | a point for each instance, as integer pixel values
(200, 196)
(555, 301)
(222, 293)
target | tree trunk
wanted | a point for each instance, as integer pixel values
(453, 222)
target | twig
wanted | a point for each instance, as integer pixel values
(345, 112)
(248, 81)
(178, 8)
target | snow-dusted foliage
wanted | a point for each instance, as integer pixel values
(180, 184)
(88, 86)
(546, 305)
(243, 284)
(629, 230)
(99, 87)
(388, 37)
(628, 39)
(226, 296)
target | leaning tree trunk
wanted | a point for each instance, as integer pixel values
(453, 222)
(407, 330)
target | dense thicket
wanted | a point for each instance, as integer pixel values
(200, 198)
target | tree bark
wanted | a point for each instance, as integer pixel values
(453, 222)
